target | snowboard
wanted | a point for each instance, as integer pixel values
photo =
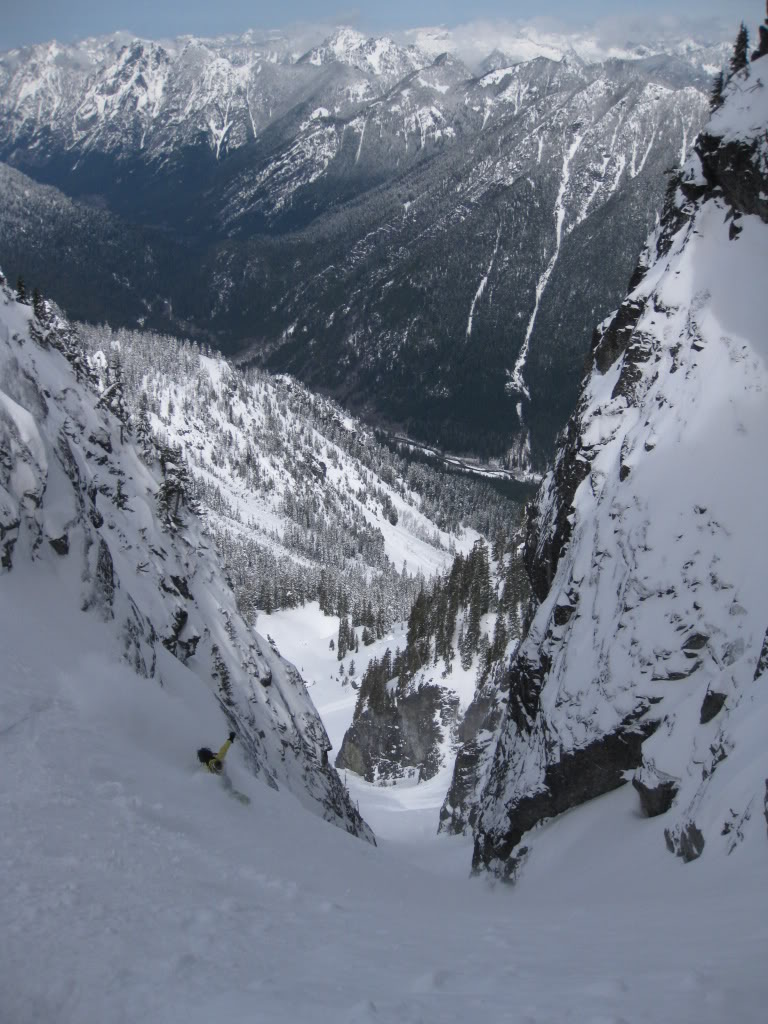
(242, 798)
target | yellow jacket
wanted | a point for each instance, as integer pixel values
(215, 764)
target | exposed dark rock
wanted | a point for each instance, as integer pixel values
(526, 682)
(544, 548)
(563, 613)
(186, 648)
(685, 841)
(614, 340)
(577, 777)
(477, 734)
(733, 167)
(711, 706)
(102, 439)
(762, 661)
(382, 742)
(9, 533)
(60, 544)
(97, 519)
(172, 643)
(656, 800)
(102, 593)
(181, 586)
(696, 642)
(638, 352)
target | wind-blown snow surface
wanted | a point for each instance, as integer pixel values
(135, 889)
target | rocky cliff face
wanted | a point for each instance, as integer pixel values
(403, 738)
(645, 547)
(82, 514)
(477, 735)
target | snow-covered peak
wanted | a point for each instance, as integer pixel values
(379, 56)
(343, 46)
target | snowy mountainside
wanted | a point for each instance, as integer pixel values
(306, 506)
(645, 659)
(85, 520)
(445, 292)
(114, 93)
(303, 501)
(367, 218)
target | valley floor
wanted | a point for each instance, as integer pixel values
(134, 890)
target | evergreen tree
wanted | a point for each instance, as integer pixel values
(740, 50)
(38, 304)
(176, 491)
(113, 396)
(342, 643)
(465, 650)
(21, 291)
(144, 437)
(499, 638)
(716, 96)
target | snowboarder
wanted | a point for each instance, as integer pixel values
(215, 762)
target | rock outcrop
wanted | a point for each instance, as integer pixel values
(402, 736)
(476, 734)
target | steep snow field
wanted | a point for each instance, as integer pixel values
(134, 889)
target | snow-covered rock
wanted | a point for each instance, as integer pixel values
(86, 520)
(645, 659)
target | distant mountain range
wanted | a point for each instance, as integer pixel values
(429, 243)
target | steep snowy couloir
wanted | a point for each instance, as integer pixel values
(84, 521)
(646, 656)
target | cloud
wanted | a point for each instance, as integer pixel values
(546, 36)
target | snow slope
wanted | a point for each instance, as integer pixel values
(135, 889)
